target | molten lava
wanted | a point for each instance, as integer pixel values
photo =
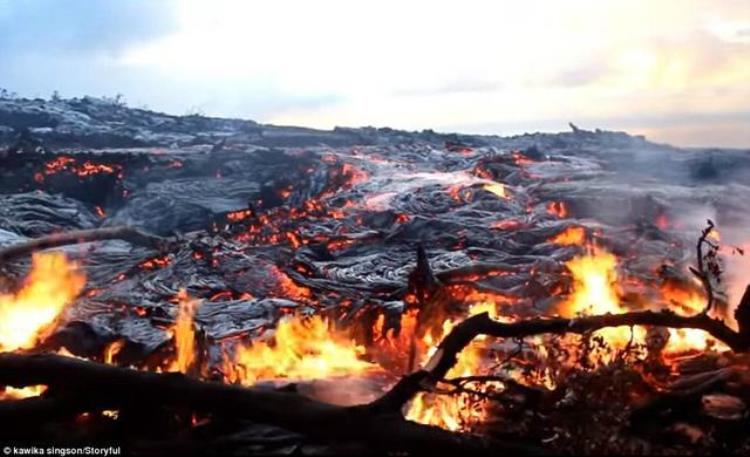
(300, 349)
(82, 170)
(571, 236)
(497, 189)
(28, 314)
(558, 209)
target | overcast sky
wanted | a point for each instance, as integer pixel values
(675, 70)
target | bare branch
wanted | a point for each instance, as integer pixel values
(702, 272)
(128, 234)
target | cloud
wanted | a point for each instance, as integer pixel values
(419, 64)
(80, 26)
(457, 86)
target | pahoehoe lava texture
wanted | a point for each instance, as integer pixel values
(279, 218)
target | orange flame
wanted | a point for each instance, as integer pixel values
(28, 315)
(13, 393)
(596, 292)
(184, 332)
(300, 349)
(687, 302)
(454, 412)
(111, 351)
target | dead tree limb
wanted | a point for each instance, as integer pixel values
(462, 334)
(702, 272)
(742, 314)
(102, 387)
(128, 234)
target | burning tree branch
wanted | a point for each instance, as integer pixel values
(99, 387)
(462, 334)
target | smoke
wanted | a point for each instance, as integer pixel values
(734, 250)
(673, 191)
(344, 391)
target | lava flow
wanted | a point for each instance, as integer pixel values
(300, 266)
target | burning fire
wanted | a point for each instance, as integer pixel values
(111, 351)
(184, 332)
(453, 412)
(27, 315)
(687, 302)
(300, 349)
(13, 393)
(596, 291)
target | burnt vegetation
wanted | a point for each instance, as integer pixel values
(203, 286)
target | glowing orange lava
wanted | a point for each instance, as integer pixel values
(70, 164)
(288, 288)
(558, 209)
(571, 236)
(497, 189)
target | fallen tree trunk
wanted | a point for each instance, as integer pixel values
(102, 387)
(128, 234)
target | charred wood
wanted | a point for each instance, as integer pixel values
(102, 387)
(128, 234)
